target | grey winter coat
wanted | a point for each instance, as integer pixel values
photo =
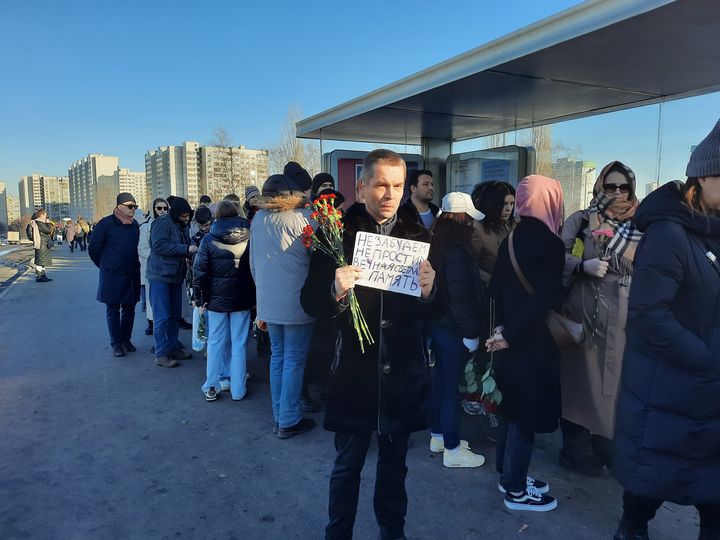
(279, 261)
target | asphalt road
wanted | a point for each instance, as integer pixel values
(96, 447)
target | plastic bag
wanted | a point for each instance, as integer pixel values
(199, 328)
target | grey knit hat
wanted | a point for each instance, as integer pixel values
(705, 160)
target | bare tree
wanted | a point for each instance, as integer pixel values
(224, 179)
(290, 148)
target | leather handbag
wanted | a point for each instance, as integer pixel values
(566, 333)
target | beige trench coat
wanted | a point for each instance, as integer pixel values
(591, 373)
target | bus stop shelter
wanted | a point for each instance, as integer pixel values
(598, 57)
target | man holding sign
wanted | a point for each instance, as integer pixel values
(386, 388)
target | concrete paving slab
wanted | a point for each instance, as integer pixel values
(97, 447)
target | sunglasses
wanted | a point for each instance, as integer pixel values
(130, 206)
(161, 208)
(612, 188)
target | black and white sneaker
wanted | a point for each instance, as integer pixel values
(211, 394)
(542, 487)
(531, 500)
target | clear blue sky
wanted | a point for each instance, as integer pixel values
(121, 78)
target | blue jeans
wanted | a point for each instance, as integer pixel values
(451, 356)
(514, 450)
(289, 344)
(166, 300)
(227, 338)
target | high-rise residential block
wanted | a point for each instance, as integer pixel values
(174, 170)
(4, 221)
(43, 191)
(122, 180)
(191, 170)
(578, 179)
(84, 176)
(226, 170)
(13, 209)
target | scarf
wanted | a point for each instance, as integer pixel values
(615, 214)
(122, 218)
(541, 198)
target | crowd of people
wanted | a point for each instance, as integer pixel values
(639, 395)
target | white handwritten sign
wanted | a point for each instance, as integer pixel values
(390, 264)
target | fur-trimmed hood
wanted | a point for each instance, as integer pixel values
(282, 203)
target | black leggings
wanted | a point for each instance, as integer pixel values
(638, 510)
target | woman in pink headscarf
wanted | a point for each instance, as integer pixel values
(527, 361)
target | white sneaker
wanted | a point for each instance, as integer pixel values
(438, 445)
(463, 458)
(224, 385)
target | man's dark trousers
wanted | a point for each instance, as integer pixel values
(120, 319)
(390, 500)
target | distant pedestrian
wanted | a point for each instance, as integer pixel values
(113, 249)
(170, 247)
(223, 285)
(82, 233)
(528, 371)
(667, 437)
(41, 232)
(69, 229)
(160, 208)
(279, 263)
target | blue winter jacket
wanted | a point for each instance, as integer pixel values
(667, 436)
(169, 242)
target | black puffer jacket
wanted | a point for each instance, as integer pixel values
(458, 280)
(667, 435)
(221, 271)
(385, 389)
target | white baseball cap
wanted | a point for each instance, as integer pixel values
(458, 202)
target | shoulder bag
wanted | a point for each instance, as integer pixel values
(566, 332)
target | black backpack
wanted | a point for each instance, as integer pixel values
(29, 231)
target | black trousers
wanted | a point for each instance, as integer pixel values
(390, 500)
(638, 510)
(120, 319)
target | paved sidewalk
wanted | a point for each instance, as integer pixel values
(97, 447)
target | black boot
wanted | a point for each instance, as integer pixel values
(577, 453)
(149, 329)
(307, 403)
(628, 532)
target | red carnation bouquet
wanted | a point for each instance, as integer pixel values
(330, 222)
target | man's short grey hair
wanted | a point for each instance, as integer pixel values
(381, 155)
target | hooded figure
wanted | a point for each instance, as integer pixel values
(598, 270)
(170, 247)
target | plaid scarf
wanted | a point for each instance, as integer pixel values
(623, 244)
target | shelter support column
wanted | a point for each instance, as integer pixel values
(435, 152)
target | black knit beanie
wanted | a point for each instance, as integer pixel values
(298, 175)
(320, 179)
(279, 184)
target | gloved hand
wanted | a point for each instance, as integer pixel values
(596, 268)
(471, 344)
